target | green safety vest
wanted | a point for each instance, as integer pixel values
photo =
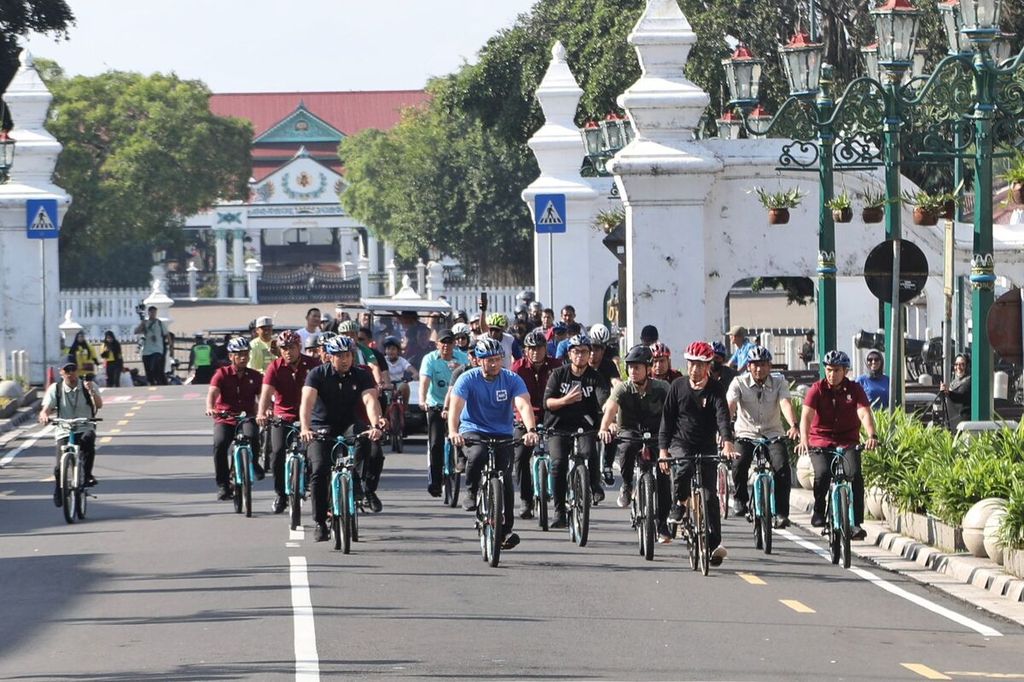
(202, 355)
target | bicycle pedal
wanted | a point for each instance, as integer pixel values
(824, 532)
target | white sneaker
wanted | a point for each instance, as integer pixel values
(719, 553)
(625, 496)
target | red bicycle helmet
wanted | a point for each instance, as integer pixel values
(287, 338)
(700, 351)
(660, 350)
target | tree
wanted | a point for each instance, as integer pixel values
(19, 17)
(141, 153)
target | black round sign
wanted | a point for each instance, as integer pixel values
(913, 271)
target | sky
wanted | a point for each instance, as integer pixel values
(280, 46)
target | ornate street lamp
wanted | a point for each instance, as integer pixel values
(760, 120)
(979, 19)
(801, 60)
(592, 138)
(1001, 48)
(743, 76)
(729, 126)
(603, 140)
(950, 12)
(870, 60)
(6, 155)
(896, 24)
(612, 133)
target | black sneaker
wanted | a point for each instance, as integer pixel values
(225, 493)
(817, 520)
(434, 490)
(677, 513)
(90, 481)
(374, 502)
(258, 470)
(526, 510)
(322, 533)
(469, 502)
(279, 504)
(511, 540)
(782, 522)
(597, 495)
(560, 520)
(858, 533)
(58, 498)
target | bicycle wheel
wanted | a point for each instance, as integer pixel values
(236, 487)
(81, 503)
(67, 487)
(830, 530)
(482, 514)
(648, 522)
(354, 521)
(703, 551)
(723, 490)
(495, 520)
(247, 483)
(765, 512)
(581, 505)
(294, 494)
(344, 524)
(540, 500)
(844, 525)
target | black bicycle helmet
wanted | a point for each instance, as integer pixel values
(837, 358)
(639, 354)
(535, 339)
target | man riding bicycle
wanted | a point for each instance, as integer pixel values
(835, 409)
(534, 369)
(435, 378)
(482, 404)
(635, 407)
(755, 399)
(282, 383)
(574, 398)
(331, 400)
(72, 398)
(233, 389)
(696, 413)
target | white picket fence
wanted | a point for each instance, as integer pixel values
(501, 300)
(98, 310)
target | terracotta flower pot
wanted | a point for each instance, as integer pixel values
(778, 216)
(872, 214)
(842, 215)
(1017, 193)
(924, 216)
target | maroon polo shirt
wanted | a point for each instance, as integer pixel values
(835, 422)
(536, 381)
(239, 391)
(288, 382)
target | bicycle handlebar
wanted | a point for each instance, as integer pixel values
(277, 421)
(74, 421)
(493, 442)
(837, 451)
(763, 441)
(646, 439)
(579, 433)
(694, 458)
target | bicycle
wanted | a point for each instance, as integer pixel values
(643, 510)
(451, 478)
(345, 504)
(490, 500)
(543, 481)
(695, 525)
(839, 520)
(74, 494)
(725, 487)
(762, 497)
(396, 414)
(578, 497)
(242, 473)
(296, 471)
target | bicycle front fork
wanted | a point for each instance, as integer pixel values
(336, 500)
(759, 502)
(535, 469)
(836, 518)
(243, 461)
(289, 465)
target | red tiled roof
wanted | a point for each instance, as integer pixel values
(349, 112)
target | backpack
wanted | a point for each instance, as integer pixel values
(60, 385)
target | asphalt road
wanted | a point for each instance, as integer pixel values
(162, 582)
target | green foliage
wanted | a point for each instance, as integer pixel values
(872, 199)
(141, 153)
(606, 221)
(789, 198)
(18, 18)
(1011, 531)
(927, 200)
(840, 202)
(1015, 172)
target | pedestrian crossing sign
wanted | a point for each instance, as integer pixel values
(549, 213)
(41, 219)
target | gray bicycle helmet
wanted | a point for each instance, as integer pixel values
(599, 335)
(837, 358)
(639, 355)
(239, 344)
(340, 344)
(535, 339)
(759, 354)
(486, 347)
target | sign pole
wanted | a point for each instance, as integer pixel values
(947, 290)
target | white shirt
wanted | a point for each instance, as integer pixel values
(398, 368)
(758, 414)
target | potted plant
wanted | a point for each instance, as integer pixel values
(927, 206)
(874, 206)
(779, 203)
(842, 210)
(1014, 176)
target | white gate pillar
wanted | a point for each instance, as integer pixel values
(221, 236)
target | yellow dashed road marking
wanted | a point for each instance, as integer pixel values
(106, 439)
(115, 430)
(123, 422)
(751, 578)
(924, 671)
(797, 606)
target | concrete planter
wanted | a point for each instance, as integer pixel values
(10, 398)
(917, 526)
(1013, 562)
(29, 397)
(974, 524)
(946, 537)
(990, 536)
(891, 513)
(873, 498)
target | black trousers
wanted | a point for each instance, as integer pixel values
(681, 475)
(278, 444)
(559, 449)
(369, 464)
(778, 455)
(154, 366)
(476, 458)
(436, 431)
(223, 434)
(87, 443)
(523, 472)
(822, 465)
(114, 369)
(626, 454)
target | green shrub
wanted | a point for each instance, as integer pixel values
(1011, 532)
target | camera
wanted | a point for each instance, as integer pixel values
(140, 310)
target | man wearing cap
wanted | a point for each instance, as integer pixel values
(738, 360)
(154, 347)
(435, 379)
(72, 398)
(875, 383)
(263, 347)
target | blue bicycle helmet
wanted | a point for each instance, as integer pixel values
(759, 354)
(340, 344)
(239, 344)
(837, 358)
(580, 339)
(486, 347)
(719, 348)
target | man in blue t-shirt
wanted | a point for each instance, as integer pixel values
(875, 383)
(738, 360)
(482, 404)
(435, 378)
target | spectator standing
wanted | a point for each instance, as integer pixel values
(875, 383)
(154, 347)
(112, 358)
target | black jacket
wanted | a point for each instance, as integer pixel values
(691, 419)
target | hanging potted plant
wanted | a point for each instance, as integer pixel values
(1014, 176)
(927, 206)
(842, 211)
(874, 206)
(779, 203)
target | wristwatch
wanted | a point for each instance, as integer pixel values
(532, 429)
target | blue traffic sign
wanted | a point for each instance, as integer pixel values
(41, 219)
(549, 213)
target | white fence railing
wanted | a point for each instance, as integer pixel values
(98, 310)
(501, 300)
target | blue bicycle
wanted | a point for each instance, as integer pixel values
(762, 508)
(345, 505)
(543, 481)
(839, 520)
(242, 472)
(450, 475)
(296, 470)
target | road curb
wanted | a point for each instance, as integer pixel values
(21, 417)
